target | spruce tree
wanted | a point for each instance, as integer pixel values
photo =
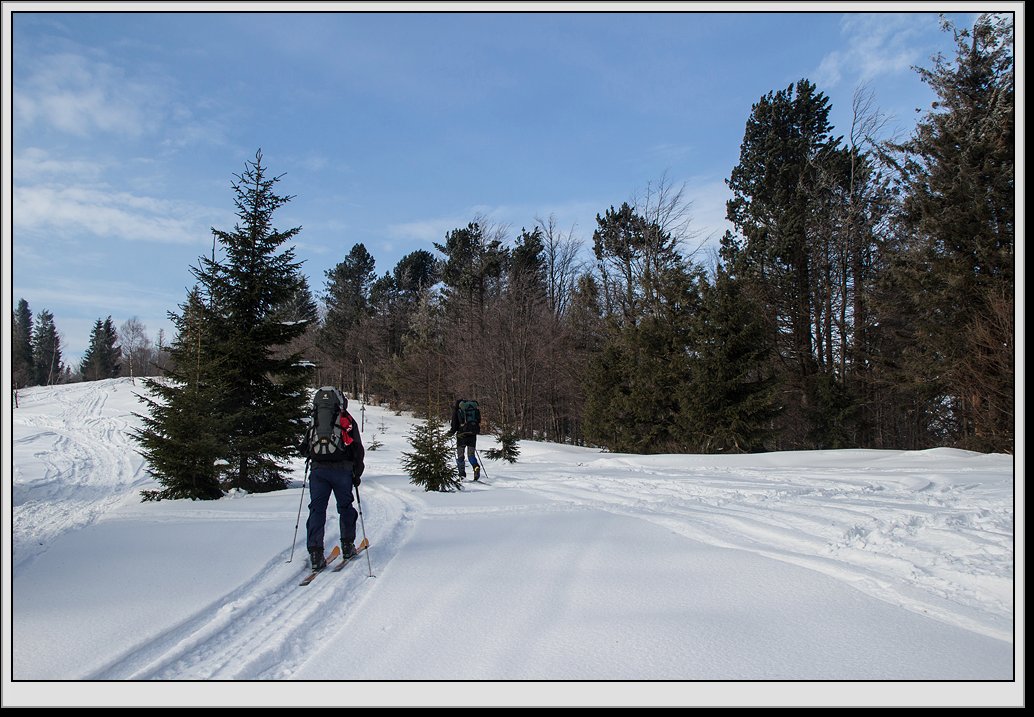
(46, 351)
(264, 397)
(787, 151)
(431, 463)
(347, 301)
(650, 294)
(181, 438)
(472, 272)
(101, 359)
(509, 449)
(954, 274)
(22, 373)
(246, 395)
(730, 400)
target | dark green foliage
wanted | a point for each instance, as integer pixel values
(951, 285)
(731, 400)
(102, 358)
(415, 272)
(264, 398)
(230, 374)
(786, 154)
(393, 299)
(347, 301)
(508, 449)
(636, 376)
(832, 413)
(180, 441)
(182, 437)
(633, 388)
(22, 372)
(527, 266)
(473, 276)
(299, 306)
(46, 351)
(473, 259)
(431, 463)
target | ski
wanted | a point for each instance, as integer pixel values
(358, 549)
(330, 558)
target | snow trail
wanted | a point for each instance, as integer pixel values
(571, 564)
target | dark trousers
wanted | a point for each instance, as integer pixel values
(324, 479)
(467, 442)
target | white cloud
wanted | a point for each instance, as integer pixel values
(877, 45)
(426, 230)
(72, 210)
(34, 164)
(80, 96)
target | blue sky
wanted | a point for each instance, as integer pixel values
(392, 128)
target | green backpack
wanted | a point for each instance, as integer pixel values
(470, 417)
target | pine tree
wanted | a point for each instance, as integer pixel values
(508, 361)
(472, 272)
(392, 300)
(788, 152)
(650, 294)
(46, 351)
(431, 463)
(22, 373)
(418, 370)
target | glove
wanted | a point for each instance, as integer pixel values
(357, 472)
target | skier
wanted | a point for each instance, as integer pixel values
(466, 425)
(335, 450)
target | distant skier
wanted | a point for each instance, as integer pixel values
(466, 425)
(335, 450)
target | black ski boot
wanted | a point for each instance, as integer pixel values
(348, 550)
(477, 472)
(316, 558)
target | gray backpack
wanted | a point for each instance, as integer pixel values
(329, 435)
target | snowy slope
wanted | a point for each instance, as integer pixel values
(570, 577)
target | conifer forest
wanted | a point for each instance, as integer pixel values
(865, 298)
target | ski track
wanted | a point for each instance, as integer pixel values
(880, 530)
(77, 487)
(267, 627)
(886, 557)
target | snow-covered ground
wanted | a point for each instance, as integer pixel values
(572, 577)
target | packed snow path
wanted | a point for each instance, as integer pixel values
(74, 459)
(568, 565)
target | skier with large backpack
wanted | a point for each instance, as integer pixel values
(334, 448)
(466, 425)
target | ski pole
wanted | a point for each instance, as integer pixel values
(362, 522)
(480, 461)
(297, 520)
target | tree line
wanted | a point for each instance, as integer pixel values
(37, 358)
(864, 298)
